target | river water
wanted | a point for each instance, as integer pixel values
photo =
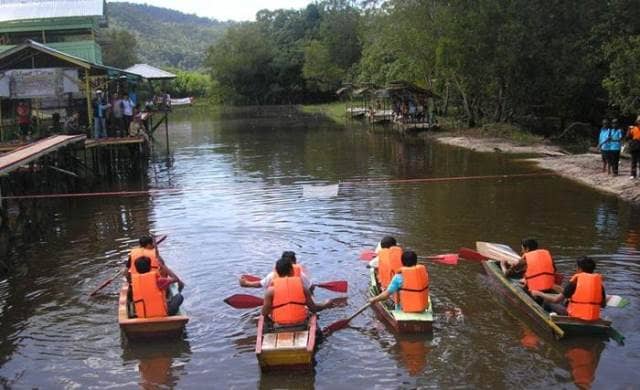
(241, 174)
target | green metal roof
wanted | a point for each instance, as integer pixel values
(77, 23)
(87, 50)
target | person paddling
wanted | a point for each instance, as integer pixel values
(287, 302)
(149, 249)
(389, 260)
(411, 284)
(585, 293)
(267, 280)
(536, 267)
(149, 291)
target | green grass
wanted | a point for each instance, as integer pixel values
(335, 110)
(510, 132)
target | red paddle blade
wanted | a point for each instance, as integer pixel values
(470, 254)
(244, 301)
(368, 255)
(559, 278)
(251, 278)
(337, 286)
(335, 327)
(446, 259)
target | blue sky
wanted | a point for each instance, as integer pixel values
(224, 10)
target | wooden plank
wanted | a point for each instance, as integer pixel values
(285, 340)
(269, 341)
(112, 141)
(33, 151)
(300, 339)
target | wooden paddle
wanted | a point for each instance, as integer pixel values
(341, 324)
(336, 285)
(120, 272)
(446, 258)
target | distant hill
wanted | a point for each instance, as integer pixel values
(166, 37)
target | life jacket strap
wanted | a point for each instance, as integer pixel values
(289, 303)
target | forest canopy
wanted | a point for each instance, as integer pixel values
(490, 60)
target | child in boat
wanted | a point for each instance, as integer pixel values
(411, 284)
(149, 249)
(149, 292)
(287, 301)
(585, 293)
(386, 242)
(267, 280)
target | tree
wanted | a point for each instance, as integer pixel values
(118, 48)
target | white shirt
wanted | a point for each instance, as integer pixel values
(266, 282)
(374, 262)
(127, 107)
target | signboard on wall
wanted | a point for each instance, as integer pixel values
(39, 83)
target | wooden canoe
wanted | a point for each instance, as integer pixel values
(143, 328)
(560, 326)
(400, 321)
(286, 348)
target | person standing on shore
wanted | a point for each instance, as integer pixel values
(633, 135)
(615, 144)
(603, 145)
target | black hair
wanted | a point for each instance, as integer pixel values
(529, 244)
(143, 264)
(290, 255)
(387, 242)
(284, 267)
(586, 264)
(146, 240)
(409, 258)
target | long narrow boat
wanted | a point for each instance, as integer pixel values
(512, 291)
(143, 328)
(286, 348)
(400, 321)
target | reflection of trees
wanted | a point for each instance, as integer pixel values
(156, 361)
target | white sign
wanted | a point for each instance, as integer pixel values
(42, 83)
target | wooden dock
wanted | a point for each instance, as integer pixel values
(33, 151)
(114, 141)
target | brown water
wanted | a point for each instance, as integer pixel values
(242, 204)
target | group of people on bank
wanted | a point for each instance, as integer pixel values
(610, 142)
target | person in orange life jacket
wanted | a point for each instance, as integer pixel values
(149, 298)
(149, 249)
(411, 283)
(385, 243)
(267, 280)
(536, 267)
(585, 293)
(287, 301)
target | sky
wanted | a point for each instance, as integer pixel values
(238, 10)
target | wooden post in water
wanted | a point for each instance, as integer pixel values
(166, 129)
(87, 91)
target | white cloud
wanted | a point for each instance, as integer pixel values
(225, 10)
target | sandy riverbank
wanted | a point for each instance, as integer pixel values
(584, 168)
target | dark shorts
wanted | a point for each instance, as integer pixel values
(605, 155)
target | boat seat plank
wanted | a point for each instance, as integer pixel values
(269, 341)
(300, 339)
(285, 340)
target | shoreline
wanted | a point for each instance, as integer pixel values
(585, 168)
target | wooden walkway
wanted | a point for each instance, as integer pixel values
(112, 141)
(28, 153)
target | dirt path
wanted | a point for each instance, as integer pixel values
(584, 168)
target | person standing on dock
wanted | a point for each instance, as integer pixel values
(585, 293)
(633, 135)
(117, 116)
(615, 144)
(127, 110)
(23, 112)
(603, 145)
(100, 107)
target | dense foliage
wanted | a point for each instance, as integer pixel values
(118, 48)
(489, 60)
(288, 56)
(166, 37)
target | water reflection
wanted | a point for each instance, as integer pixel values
(412, 351)
(583, 356)
(160, 363)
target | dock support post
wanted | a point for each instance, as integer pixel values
(166, 128)
(87, 91)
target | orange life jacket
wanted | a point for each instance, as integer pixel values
(289, 303)
(414, 293)
(586, 300)
(389, 263)
(148, 299)
(297, 271)
(540, 274)
(139, 252)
